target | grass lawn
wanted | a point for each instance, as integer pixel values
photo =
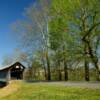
(19, 90)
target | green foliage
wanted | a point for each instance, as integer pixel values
(57, 30)
(34, 72)
(58, 27)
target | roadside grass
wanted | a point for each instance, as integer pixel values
(47, 91)
(9, 89)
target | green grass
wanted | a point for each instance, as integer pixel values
(46, 91)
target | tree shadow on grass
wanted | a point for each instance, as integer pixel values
(3, 84)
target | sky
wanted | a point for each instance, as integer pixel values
(10, 11)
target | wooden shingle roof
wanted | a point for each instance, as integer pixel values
(11, 65)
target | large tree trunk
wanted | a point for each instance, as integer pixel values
(65, 65)
(87, 78)
(86, 63)
(59, 71)
(48, 68)
(87, 38)
(93, 57)
(45, 73)
(44, 67)
(95, 61)
(98, 75)
(65, 71)
(59, 75)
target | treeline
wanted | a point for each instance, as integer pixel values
(62, 38)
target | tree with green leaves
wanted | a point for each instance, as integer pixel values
(68, 29)
(82, 17)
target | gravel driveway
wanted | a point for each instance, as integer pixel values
(93, 85)
(84, 84)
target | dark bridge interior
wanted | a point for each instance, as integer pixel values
(17, 71)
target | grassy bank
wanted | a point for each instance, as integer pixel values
(47, 91)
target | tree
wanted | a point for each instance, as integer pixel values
(16, 55)
(58, 33)
(36, 29)
(62, 37)
(68, 29)
(78, 15)
(89, 11)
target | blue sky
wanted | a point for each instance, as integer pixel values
(10, 11)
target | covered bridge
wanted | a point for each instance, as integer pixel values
(13, 71)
